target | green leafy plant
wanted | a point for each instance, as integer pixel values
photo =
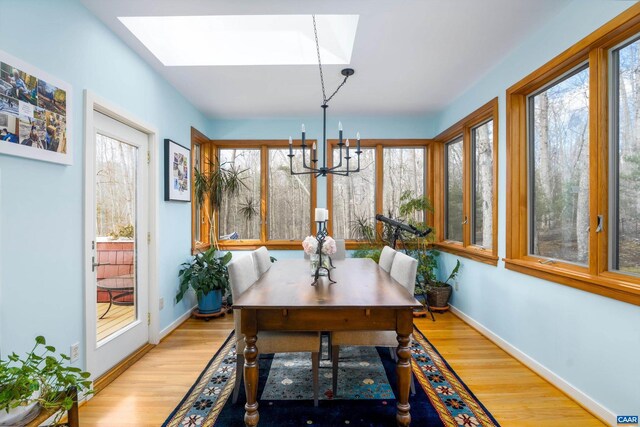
(41, 376)
(126, 231)
(204, 273)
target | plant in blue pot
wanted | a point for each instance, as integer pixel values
(207, 275)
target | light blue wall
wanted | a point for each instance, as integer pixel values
(590, 341)
(41, 250)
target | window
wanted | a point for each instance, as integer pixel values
(625, 160)
(404, 174)
(270, 206)
(389, 170)
(482, 186)
(289, 208)
(453, 192)
(354, 204)
(239, 214)
(468, 152)
(559, 169)
(573, 172)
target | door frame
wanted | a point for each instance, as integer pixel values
(94, 102)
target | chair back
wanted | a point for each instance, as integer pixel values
(386, 258)
(261, 260)
(403, 271)
(242, 274)
(341, 250)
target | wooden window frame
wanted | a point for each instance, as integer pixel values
(595, 277)
(210, 149)
(463, 128)
(380, 145)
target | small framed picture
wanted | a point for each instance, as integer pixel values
(177, 172)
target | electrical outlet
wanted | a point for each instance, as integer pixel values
(161, 303)
(74, 354)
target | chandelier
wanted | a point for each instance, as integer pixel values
(313, 166)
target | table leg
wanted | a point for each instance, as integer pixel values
(110, 303)
(403, 368)
(251, 416)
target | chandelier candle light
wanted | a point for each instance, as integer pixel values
(312, 167)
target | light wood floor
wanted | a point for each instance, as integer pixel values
(146, 393)
(118, 317)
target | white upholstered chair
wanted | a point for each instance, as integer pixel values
(261, 260)
(242, 274)
(341, 250)
(386, 258)
(403, 270)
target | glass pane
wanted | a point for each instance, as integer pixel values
(404, 172)
(354, 198)
(559, 146)
(197, 162)
(626, 183)
(239, 214)
(453, 194)
(116, 184)
(289, 197)
(482, 213)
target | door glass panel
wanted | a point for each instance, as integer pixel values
(115, 254)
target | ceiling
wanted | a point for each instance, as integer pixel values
(411, 57)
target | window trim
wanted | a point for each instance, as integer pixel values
(445, 178)
(596, 277)
(209, 147)
(463, 128)
(380, 145)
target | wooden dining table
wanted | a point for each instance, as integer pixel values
(364, 298)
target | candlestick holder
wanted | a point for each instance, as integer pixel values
(321, 235)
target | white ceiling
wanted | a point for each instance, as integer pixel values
(411, 57)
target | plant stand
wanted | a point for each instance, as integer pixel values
(73, 419)
(439, 309)
(206, 316)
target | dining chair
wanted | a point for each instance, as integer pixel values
(261, 260)
(403, 271)
(386, 258)
(242, 274)
(341, 250)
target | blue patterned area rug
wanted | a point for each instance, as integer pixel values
(366, 384)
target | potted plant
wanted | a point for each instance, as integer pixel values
(438, 293)
(212, 185)
(40, 380)
(207, 275)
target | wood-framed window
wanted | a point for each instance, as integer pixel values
(466, 179)
(572, 165)
(388, 168)
(273, 208)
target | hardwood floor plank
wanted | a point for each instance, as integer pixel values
(147, 392)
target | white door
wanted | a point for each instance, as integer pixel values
(118, 280)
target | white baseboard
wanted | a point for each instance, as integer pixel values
(166, 331)
(580, 397)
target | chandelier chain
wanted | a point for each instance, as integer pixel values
(324, 94)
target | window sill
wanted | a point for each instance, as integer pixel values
(475, 253)
(232, 245)
(609, 285)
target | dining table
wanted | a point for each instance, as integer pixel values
(364, 297)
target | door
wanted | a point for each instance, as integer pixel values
(117, 303)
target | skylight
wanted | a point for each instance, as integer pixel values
(246, 39)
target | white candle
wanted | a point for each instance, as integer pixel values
(326, 214)
(347, 142)
(339, 125)
(320, 214)
(290, 141)
(303, 128)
